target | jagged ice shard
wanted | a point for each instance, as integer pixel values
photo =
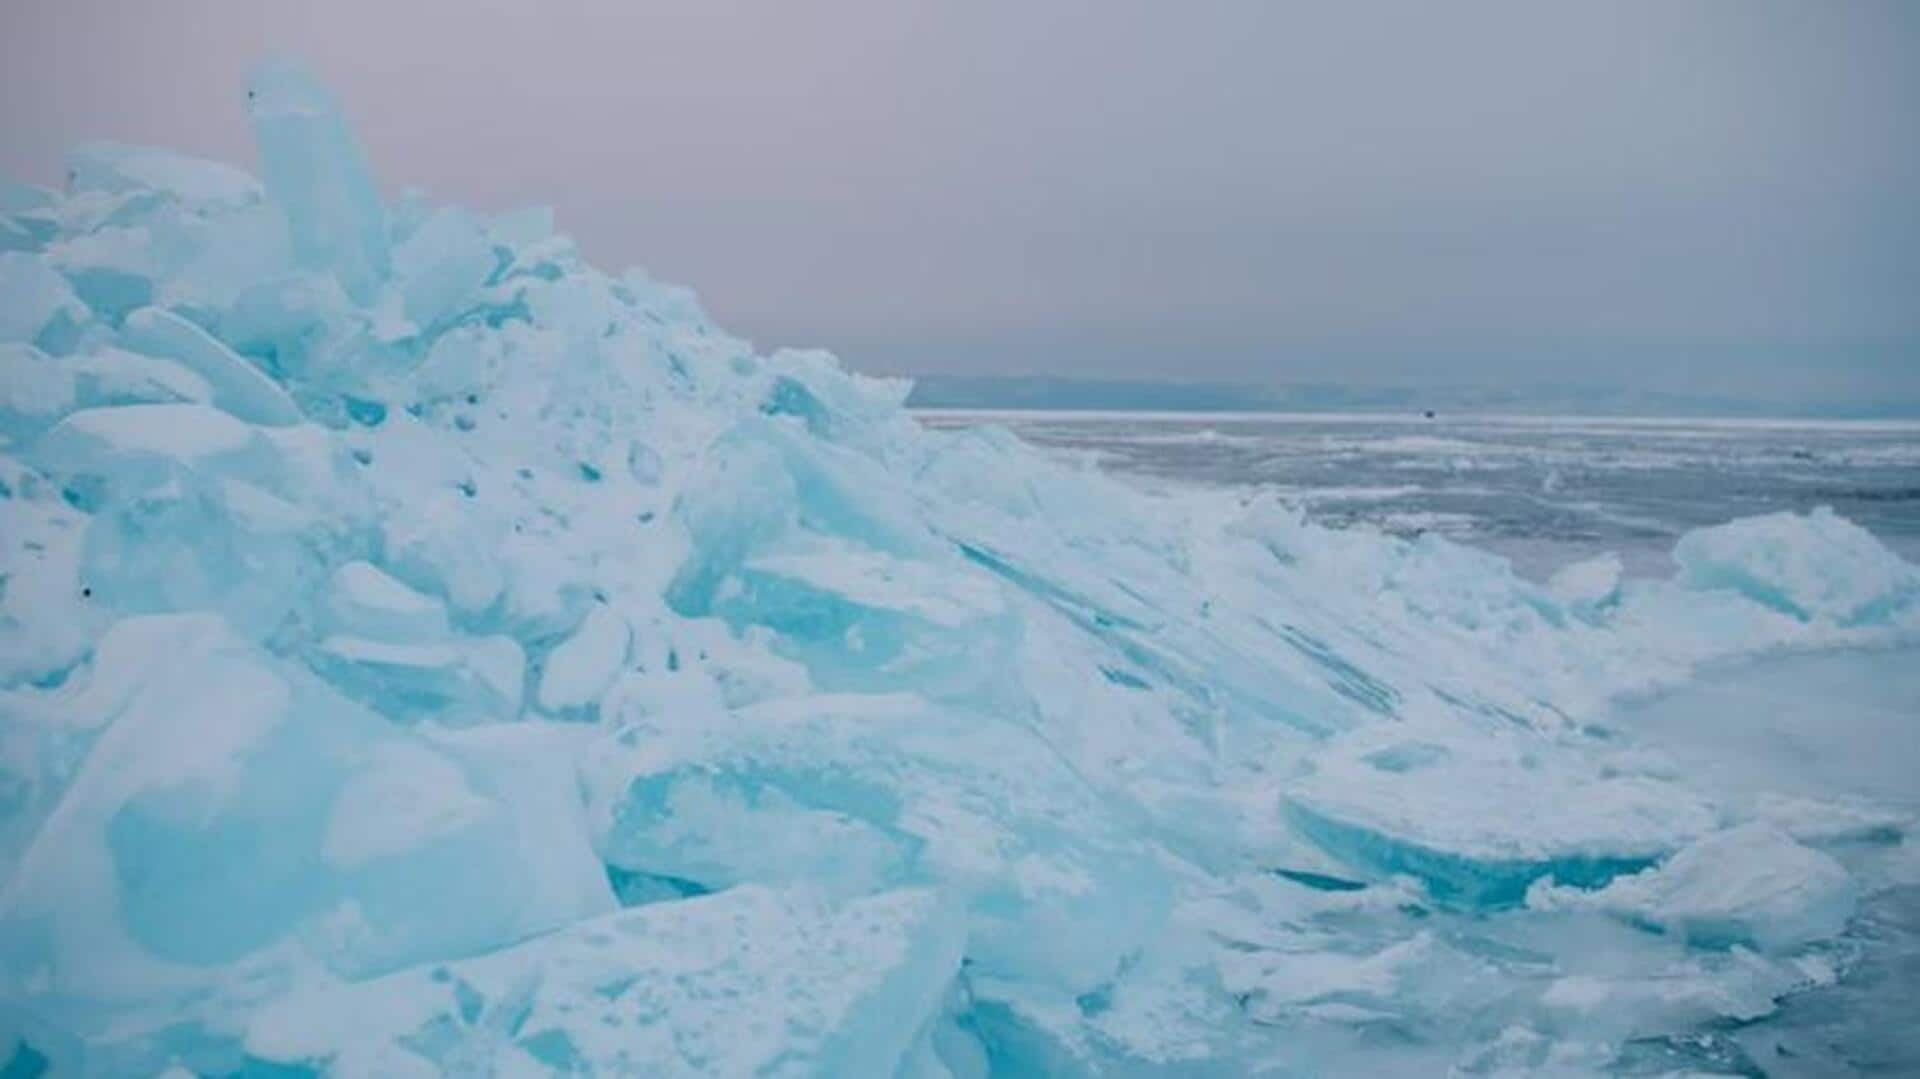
(422, 653)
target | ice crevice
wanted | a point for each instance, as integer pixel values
(424, 653)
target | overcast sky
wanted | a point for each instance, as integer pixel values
(1681, 195)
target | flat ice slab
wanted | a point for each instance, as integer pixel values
(750, 982)
(1843, 725)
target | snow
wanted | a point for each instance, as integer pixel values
(40, 305)
(1814, 566)
(118, 168)
(1811, 567)
(235, 815)
(401, 797)
(1446, 820)
(362, 599)
(95, 439)
(1588, 586)
(1747, 885)
(316, 174)
(753, 982)
(579, 668)
(237, 386)
(388, 597)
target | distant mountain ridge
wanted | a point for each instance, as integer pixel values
(1047, 392)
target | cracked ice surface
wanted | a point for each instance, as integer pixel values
(422, 652)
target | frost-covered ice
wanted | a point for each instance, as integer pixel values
(750, 982)
(423, 653)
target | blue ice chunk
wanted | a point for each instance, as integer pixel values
(35, 392)
(860, 619)
(110, 291)
(672, 305)
(458, 681)
(364, 601)
(1466, 880)
(748, 982)
(441, 266)
(291, 325)
(1590, 587)
(47, 619)
(238, 386)
(236, 815)
(522, 228)
(735, 826)
(132, 448)
(579, 668)
(1392, 807)
(317, 175)
(191, 511)
(760, 483)
(119, 168)
(744, 499)
(858, 791)
(27, 217)
(108, 376)
(25, 232)
(1812, 566)
(790, 397)
(239, 251)
(199, 543)
(19, 198)
(37, 306)
(1750, 886)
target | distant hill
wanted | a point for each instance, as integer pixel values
(1047, 392)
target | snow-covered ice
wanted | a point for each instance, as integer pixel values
(423, 653)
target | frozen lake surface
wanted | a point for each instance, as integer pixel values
(1841, 728)
(1541, 490)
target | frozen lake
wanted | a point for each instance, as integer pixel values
(1541, 490)
(1838, 728)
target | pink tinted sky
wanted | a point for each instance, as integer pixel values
(1676, 195)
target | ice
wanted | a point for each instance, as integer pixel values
(118, 169)
(1589, 586)
(753, 982)
(1748, 885)
(46, 619)
(581, 666)
(34, 391)
(858, 790)
(112, 376)
(388, 597)
(1817, 566)
(363, 600)
(237, 386)
(235, 814)
(41, 308)
(455, 680)
(137, 440)
(1442, 817)
(440, 266)
(317, 176)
